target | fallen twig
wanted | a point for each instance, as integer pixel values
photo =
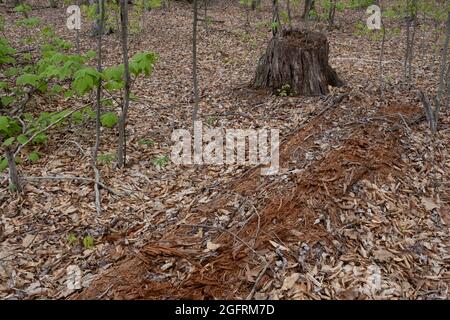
(74, 178)
(258, 279)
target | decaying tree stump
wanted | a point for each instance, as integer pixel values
(297, 60)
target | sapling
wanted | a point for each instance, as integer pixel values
(55, 73)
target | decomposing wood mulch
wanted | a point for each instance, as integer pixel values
(359, 210)
(340, 214)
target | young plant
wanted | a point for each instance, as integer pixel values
(146, 142)
(161, 162)
(88, 242)
(54, 73)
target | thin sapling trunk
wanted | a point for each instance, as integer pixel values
(121, 152)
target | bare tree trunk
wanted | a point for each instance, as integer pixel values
(101, 8)
(77, 36)
(276, 21)
(428, 111)
(247, 19)
(121, 152)
(77, 41)
(411, 48)
(442, 71)
(14, 180)
(144, 9)
(205, 3)
(309, 5)
(411, 22)
(331, 14)
(436, 38)
(448, 90)
(194, 62)
(383, 40)
(99, 87)
(255, 4)
(288, 8)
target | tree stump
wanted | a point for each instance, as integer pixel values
(297, 61)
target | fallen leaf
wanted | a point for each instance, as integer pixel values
(28, 240)
(382, 255)
(278, 246)
(289, 282)
(211, 246)
(429, 204)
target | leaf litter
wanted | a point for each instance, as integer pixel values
(360, 209)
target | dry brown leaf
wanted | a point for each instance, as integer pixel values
(211, 246)
(278, 246)
(28, 240)
(429, 203)
(290, 281)
(383, 255)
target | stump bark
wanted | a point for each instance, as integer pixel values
(297, 61)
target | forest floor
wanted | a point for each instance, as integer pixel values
(360, 208)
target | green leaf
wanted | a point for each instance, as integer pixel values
(3, 85)
(22, 8)
(114, 85)
(91, 54)
(29, 22)
(161, 161)
(8, 127)
(50, 71)
(7, 59)
(33, 156)
(57, 116)
(109, 119)
(28, 117)
(83, 85)
(72, 239)
(107, 102)
(88, 242)
(40, 138)
(56, 89)
(9, 141)
(22, 139)
(42, 87)
(28, 79)
(146, 142)
(114, 73)
(142, 62)
(106, 158)
(91, 113)
(77, 117)
(10, 72)
(7, 100)
(4, 122)
(153, 4)
(3, 164)
(85, 80)
(68, 94)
